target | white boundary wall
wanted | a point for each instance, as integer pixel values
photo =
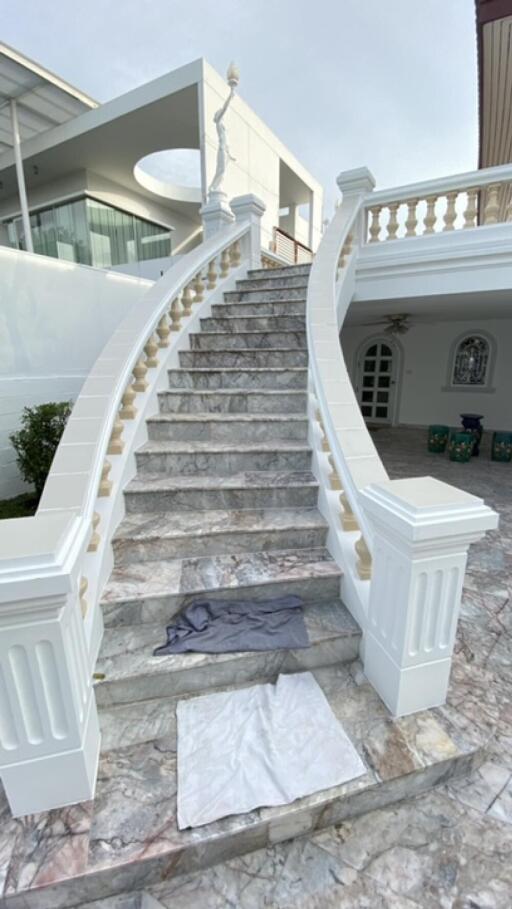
(55, 318)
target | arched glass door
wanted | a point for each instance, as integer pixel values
(376, 382)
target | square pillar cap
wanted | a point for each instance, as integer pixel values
(423, 508)
(248, 204)
(358, 180)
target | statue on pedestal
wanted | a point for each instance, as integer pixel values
(224, 155)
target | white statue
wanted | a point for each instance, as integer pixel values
(224, 155)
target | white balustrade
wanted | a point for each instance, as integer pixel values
(402, 544)
(53, 566)
(464, 201)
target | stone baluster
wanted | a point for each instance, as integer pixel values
(187, 298)
(348, 518)
(128, 410)
(429, 222)
(375, 223)
(224, 263)
(450, 214)
(492, 205)
(105, 487)
(151, 351)
(393, 220)
(139, 371)
(163, 331)
(364, 559)
(211, 275)
(116, 444)
(94, 542)
(508, 212)
(198, 288)
(235, 254)
(175, 312)
(84, 583)
(334, 479)
(471, 210)
(412, 221)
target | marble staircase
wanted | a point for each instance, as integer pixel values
(223, 506)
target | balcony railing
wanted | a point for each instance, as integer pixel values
(290, 250)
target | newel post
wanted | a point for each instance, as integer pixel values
(357, 182)
(216, 214)
(422, 532)
(251, 209)
(49, 732)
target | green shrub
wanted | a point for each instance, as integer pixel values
(37, 440)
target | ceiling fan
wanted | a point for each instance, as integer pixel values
(395, 324)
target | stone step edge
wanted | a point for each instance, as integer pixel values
(198, 447)
(270, 392)
(283, 577)
(174, 481)
(297, 521)
(256, 331)
(216, 416)
(229, 369)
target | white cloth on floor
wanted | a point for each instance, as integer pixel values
(260, 746)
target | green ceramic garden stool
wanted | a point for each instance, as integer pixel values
(501, 446)
(461, 446)
(438, 438)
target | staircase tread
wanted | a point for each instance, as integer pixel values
(132, 819)
(146, 580)
(254, 331)
(233, 391)
(183, 447)
(127, 650)
(157, 525)
(215, 416)
(252, 479)
(258, 369)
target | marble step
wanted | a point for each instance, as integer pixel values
(295, 308)
(253, 359)
(148, 536)
(229, 400)
(213, 379)
(252, 489)
(126, 840)
(286, 294)
(132, 674)
(227, 427)
(247, 340)
(285, 271)
(155, 591)
(273, 282)
(255, 322)
(221, 458)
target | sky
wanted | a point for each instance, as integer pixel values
(390, 84)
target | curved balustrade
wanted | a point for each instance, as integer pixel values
(402, 544)
(53, 566)
(451, 203)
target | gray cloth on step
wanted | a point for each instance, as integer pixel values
(225, 626)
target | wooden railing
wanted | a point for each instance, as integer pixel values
(290, 250)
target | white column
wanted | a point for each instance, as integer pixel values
(22, 191)
(216, 214)
(422, 529)
(49, 734)
(311, 218)
(358, 181)
(250, 208)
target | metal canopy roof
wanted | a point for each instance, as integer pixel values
(42, 99)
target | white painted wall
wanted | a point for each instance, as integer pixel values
(258, 152)
(55, 318)
(426, 366)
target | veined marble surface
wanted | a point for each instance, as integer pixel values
(128, 837)
(274, 378)
(447, 849)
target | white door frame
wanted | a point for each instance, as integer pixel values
(396, 375)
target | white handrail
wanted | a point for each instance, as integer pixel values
(327, 304)
(53, 565)
(441, 185)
